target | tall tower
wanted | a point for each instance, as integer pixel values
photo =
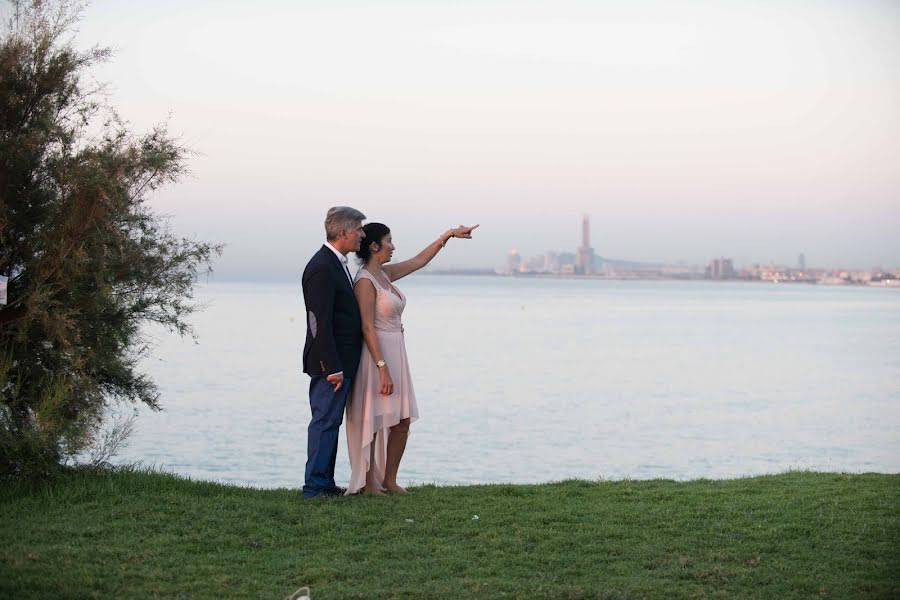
(585, 231)
(584, 258)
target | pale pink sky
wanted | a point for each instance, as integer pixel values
(687, 130)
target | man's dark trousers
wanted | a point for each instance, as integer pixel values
(323, 432)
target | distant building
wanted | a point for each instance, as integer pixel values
(720, 268)
(534, 264)
(584, 256)
(551, 262)
(513, 262)
(801, 262)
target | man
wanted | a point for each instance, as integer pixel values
(333, 344)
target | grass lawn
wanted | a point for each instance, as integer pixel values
(144, 535)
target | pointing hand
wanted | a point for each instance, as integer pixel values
(464, 232)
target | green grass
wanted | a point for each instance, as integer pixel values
(143, 535)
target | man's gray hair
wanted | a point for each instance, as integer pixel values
(341, 218)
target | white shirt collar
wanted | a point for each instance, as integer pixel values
(337, 253)
(343, 260)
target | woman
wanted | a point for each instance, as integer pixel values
(382, 403)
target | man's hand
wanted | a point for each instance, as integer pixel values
(336, 379)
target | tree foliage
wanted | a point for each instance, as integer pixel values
(88, 262)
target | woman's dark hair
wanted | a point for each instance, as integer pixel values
(375, 232)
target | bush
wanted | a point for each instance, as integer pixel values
(88, 262)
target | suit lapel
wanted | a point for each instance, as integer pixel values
(337, 265)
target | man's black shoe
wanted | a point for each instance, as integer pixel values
(329, 493)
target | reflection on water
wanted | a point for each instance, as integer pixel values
(538, 380)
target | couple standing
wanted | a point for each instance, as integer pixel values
(370, 379)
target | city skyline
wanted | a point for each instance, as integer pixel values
(687, 131)
(583, 260)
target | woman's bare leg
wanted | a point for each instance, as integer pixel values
(372, 487)
(396, 444)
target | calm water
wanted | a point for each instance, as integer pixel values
(538, 380)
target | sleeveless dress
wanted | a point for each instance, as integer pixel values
(369, 412)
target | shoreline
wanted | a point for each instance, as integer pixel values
(894, 283)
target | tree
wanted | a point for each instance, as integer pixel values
(89, 263)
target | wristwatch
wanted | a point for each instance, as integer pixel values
(380, 363)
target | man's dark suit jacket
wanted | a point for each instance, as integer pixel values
(333, 324)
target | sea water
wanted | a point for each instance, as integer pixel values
(532, 380)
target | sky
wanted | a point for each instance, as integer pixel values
(754, 130)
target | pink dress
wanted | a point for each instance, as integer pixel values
(368, 412)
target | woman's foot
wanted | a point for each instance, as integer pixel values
(394, 488)
(372, 491)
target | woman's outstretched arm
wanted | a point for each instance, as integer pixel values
(404, 268)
